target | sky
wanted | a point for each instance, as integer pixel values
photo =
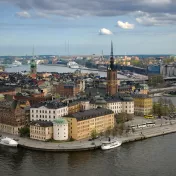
(73, 27)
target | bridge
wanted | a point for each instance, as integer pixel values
(159, 90)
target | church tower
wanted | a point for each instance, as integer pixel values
(112, 86)
(33, 67)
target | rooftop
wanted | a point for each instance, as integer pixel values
(92, 113)
(60, 121)
(41, 123)
(50, 104)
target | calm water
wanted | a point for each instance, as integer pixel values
(151, 157)
(44, 68)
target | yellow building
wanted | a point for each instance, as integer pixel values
(74, 107)
(41, 130)
(143, 104)
(82, 124)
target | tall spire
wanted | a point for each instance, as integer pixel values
(111, 49)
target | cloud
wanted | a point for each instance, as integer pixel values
(23, 14)
(125, 25)
(79, 8)
(105, 31)
(155, 19)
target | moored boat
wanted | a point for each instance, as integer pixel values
(106, 145)
(8, 142)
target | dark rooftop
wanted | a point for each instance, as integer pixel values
(50, 104)
(92, 113)
(41, 123)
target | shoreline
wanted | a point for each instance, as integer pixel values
(76, 146)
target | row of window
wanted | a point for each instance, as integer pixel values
(48, 111)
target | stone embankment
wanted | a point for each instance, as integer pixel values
(91, 145)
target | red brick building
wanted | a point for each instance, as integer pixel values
(112, 85)
(67, 89)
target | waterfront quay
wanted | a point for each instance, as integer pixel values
(140, 134)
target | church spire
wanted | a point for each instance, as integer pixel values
(112, 58)
(111, 49)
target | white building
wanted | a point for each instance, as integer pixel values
(116, 104)
(60, 129)
(48, 111)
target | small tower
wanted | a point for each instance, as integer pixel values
(33, 66)
(112, 87)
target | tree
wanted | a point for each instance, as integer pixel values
(94, 134)
(121, 117)
(108, 132)
(24, 132)
(171, 106)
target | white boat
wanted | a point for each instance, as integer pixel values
(8, 142)
(16, 63)
(73, 64)
(106, 145)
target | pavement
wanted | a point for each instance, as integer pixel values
(160, 129)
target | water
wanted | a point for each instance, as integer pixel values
(60, 69)
(151, 157)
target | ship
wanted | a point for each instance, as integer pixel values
(16, 63)
(73, 65)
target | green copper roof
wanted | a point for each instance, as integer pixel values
(60, 121)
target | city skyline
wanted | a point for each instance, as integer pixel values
(141, 27)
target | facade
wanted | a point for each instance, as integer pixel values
(60, 129)
(143, 104)
(126, 89)
(112, 85)
(74, 107)
(41, 130)
(33, 99)
(118, 104)
(48, 111)
(82, 124)
(12, 117)
(67, 89)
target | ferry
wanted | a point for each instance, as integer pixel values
(73, 64)
(16, 64)
(8, 142)
(106, 145)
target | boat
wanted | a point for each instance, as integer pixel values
(73, 64)
(16, 64)
(106, 145)
(8, 142)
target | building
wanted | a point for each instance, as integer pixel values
(41, 130)
(48, 111)
(112, 86)
(143, 104)
(118, 104)
(142, 89)
(32, 98)
(12, 117)
(74, 107)
(33, 69)
(67, 89)
(60, 129)
(82, 124)
(126, 89)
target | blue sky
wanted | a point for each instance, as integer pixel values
(138, 27)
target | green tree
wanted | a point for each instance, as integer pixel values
(108, 132)
(94, 134)
(24, 132)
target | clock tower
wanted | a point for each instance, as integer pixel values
(112, 87)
